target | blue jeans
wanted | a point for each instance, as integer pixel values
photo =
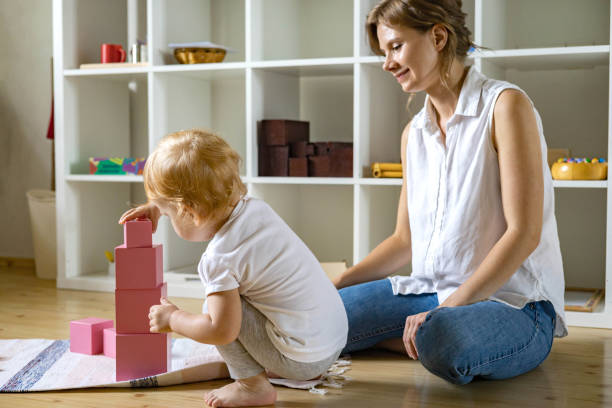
(487, 339)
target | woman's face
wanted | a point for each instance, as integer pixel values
(411, 56)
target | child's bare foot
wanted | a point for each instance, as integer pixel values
(253, 391)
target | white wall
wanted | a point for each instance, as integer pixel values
(25, 104)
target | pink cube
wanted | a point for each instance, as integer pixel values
(138, 268)
(132, 308)
(142, 355)
(86, 335)
(138, 233)
(110, 345)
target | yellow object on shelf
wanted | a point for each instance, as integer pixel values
(387, 170)
(563, 170)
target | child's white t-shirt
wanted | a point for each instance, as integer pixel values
(256, 252)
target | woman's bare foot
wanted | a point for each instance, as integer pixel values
(252, 391)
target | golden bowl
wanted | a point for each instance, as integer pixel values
(199, 55)
(579, 171)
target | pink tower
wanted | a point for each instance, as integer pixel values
(138, 286)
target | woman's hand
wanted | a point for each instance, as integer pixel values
(159, 316)
(149, 211)
(413, 322)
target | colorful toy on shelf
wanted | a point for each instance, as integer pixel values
(577, 168)
(116, 165)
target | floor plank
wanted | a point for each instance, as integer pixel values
(578, 373)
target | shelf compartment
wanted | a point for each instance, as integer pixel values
(511, 24)
(104, 117)
(90, 223)
(322, 216)
(213, 100)
(218, 21)
(383, 115)
(581, 216)
(89, 23)
(534, 59)
(296, 29)
(559, 97)
(321, 95)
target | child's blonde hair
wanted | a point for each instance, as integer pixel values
(194, 169)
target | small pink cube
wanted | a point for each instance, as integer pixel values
(110, 343)
(142, 355)
(138, 233)
(86, 335)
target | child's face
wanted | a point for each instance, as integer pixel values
(186, 226)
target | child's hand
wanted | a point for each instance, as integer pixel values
(159, 316)
(149, 211)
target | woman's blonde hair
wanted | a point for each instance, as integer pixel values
(422, 15)
(194, 169)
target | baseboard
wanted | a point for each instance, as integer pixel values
(16, 262)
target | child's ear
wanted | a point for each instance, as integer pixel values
(195, 216)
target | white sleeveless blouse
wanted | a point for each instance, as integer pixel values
(455, 207)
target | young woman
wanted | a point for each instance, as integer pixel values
(475, 218)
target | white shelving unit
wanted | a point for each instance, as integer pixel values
(309, 60)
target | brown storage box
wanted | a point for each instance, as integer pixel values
(325, 148)
(341, 162)
(321, 148)
(298, 167)
(318, 166)
(298, 149)
(281, 132)
(273, 161)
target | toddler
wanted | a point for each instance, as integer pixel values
(269, 304)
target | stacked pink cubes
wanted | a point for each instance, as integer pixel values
(139, 285)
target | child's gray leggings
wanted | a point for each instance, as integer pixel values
(252, 352)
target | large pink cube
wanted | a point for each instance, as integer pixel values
(142, 355)
(86, 335)
(132, 308)
(138, 268)
(110, 345)
(138, 233)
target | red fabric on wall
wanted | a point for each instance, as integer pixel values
(50, 129)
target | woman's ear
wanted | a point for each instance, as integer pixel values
(439, 36)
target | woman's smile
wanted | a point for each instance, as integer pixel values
(401, 75)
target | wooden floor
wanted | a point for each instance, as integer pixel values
(578, 373)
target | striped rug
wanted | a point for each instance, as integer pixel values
(43, 365)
